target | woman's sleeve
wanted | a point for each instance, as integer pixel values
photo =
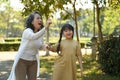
(78, 50)
(42, 47)
(29, 34)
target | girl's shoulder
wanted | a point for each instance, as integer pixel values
(76, 42)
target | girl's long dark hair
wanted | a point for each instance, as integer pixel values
(65, 26)
(28, 23)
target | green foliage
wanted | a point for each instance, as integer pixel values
(87, 22)
(9, 46)
(48, 8)
(12, 39)
(115, 4)
(109, 56)
(11, 21)
(110, 21)
(44, 6)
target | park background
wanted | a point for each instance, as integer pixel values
(92, 19)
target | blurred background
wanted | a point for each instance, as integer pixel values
(97, 28)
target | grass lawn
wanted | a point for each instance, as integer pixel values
(91, 69)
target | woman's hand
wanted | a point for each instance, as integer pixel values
(47, 46)
(48, 23)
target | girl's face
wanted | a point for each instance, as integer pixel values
(68, 33)
(37, 22)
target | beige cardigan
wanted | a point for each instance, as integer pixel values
(32, 36)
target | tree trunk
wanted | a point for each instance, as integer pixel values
(47, 39)
(75, 19)
(93, 20)
(98, 22)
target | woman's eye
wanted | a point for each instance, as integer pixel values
(38, 18)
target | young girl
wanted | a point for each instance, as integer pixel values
(68, 49)
(26, 63)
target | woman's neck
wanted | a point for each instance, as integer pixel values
(36, 30)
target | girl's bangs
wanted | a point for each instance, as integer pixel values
(67, 28)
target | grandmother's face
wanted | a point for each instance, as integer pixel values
(37, 21)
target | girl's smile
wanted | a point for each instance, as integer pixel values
(68, 34)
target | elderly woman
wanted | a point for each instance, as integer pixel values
(26, 63)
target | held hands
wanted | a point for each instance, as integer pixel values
(47, 47)
(48, 23)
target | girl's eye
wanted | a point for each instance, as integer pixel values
(65, 30)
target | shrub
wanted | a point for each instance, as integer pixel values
(109, 56)
(12, 39)
(82, 45)
(9, 46)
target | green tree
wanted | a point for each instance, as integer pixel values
(88, 25)
(11, 21)
(110, 21)
(104, 4)
(114, 4)
(97, 3)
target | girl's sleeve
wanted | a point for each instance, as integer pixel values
(29, 34)
(53, 48)
(78, 50)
